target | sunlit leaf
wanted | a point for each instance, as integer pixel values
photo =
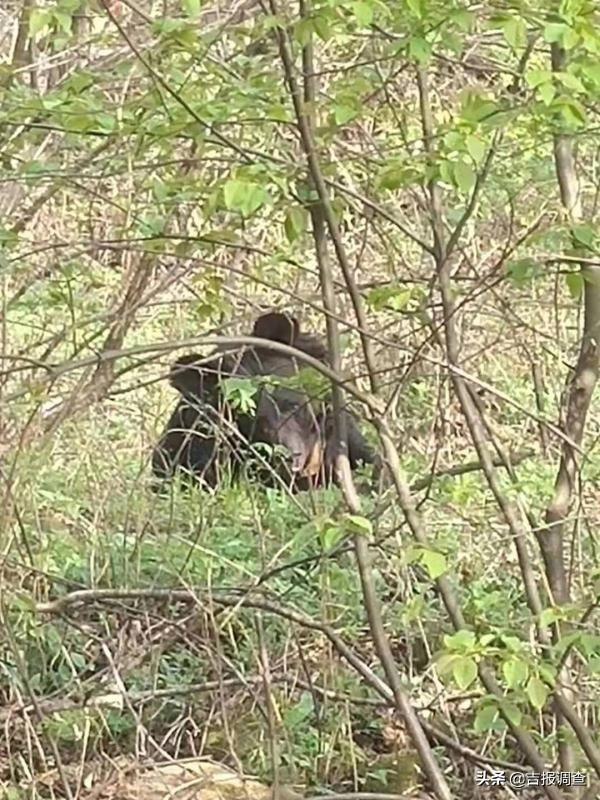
(464, 671)
(360, 525)
(39, 18)
(434, 563)
(461, 640)
(476, 148)
(343, 113)
(574, 284)
(537, 691)
(515, 672)
(585, 234)
(535, 77)
(464, 176)
(191, 7)
(322, 28)
(522, 271)
(486, 719)
(515, 32)
(295, 223)
(546, 92)
(363, 11)
(419, 49)
(553, 32)
(511, 712)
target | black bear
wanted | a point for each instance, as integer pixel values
(205, 432)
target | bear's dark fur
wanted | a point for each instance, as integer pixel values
(205, 433)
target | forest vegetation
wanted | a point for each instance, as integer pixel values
(418, 184)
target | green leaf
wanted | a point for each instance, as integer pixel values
(39, 18)
(522, 271)
(461, 640)
(464, 672)
(536, 77)
(566, 640)
(570, 81)
(434, 563)
(391, 178)
(296, 715)
(78, 83)
(454, 141)
(22, 602)
(454, 42)
(271, 21)
(537, 692)
(322, 28)
(65, 21)
(546, 92)
(512, 643)
(476, 107)
(81, 123)
(397, 174)
(554, 31)
(511, 712)
(309, 381)
(343, 113)
(548, 616)
(589, 643)
(34, 167)
(295, 223)
(233, 194)
(486, 719)
(573, 112)
(419, 50)
(464, 176)
(445, 662)
(70, 5)
(395, 297)
(412, 554)
(446, 170)
(279, 113)
(476, 148)
(592, 72)
(360, 525)
(167, 25)
(462, 18)
(417, 7)
(243, 196)
(152, 224)
(574, 284)
(571, 38)
(187, 37)
(191, 7)
(8, 238)
(593, 665)
(515, 32)
(240, 393)
(515, 672)
(547, 673)
(330, 535)
(401, 299)
(159, 189)
(303, 31)
(584, 234)
(106, 122)
(363, 11)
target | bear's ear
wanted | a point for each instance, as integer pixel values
(192, 377)
(277, 327)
